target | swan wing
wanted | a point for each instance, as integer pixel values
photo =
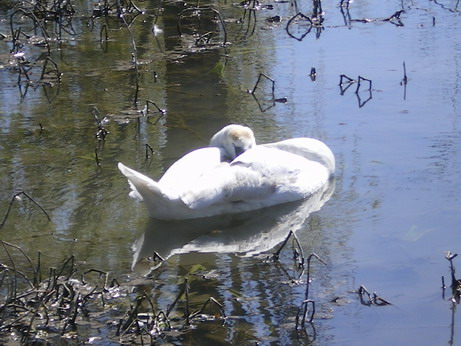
(227, 184)
(188, 168)
(261, 175)
(309, 148)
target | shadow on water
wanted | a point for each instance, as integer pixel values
(246, 234)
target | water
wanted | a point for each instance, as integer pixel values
(395, 208)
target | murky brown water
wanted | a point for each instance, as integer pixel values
(395, 208)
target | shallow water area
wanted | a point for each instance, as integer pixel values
(393, 211)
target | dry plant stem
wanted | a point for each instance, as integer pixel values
(306, 294)
(203, 9)
(360, 79)
(72, 271)
(96, 156)
(100, 272)
(259, 79)
(15, 270)
(377, 300)
(56, 69)
(299, 254)
(305, 309)
(362, 291)
(211, 299)
(186, 291)
(170, 307)
(405, 78)
(132, 317)
(11, 203)
(134, 56)
(161, 111)
(455, 284)
(37, 23)
(149, 148)
(103, 34)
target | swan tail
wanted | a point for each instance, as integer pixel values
(147, 190)
(139, 183)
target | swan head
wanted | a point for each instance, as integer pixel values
(234, 139)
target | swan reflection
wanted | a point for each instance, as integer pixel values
(246, 233)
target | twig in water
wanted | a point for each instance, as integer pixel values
(102, 133)
(100, 272)
(349, 81)
(377, 300)
(395, 18)
(148, 147)
(405, 78)
(186, 291)
(371, 299)
(257, 83)
(345, 3)
(313, 74)
(72, 271)
(296, 18)
(145, 110)
(300, 255)
(131, 317)
(363, 291)
(455, 283)
(211, 299)
(308, 279)
(16, 197)
(360, 79)
(55, 70)
(5, 247)
(404, 81)
(198, 11)
(103, 35)
(170, 307)
(304, 308)
(97, 157)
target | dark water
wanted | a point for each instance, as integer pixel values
(396, 204)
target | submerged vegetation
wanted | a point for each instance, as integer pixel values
(75, 304)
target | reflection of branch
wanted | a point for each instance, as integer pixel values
(134, 58)
(197, 12)
(404, 81)
(251, 15)
(295, 17)
(393, 19)
(359, 99)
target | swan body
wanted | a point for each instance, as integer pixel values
(203, 183)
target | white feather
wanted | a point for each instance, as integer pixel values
(202, 184)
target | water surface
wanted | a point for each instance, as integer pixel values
(396, 205)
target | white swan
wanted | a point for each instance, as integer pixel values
(224, 146)
(202, 184)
